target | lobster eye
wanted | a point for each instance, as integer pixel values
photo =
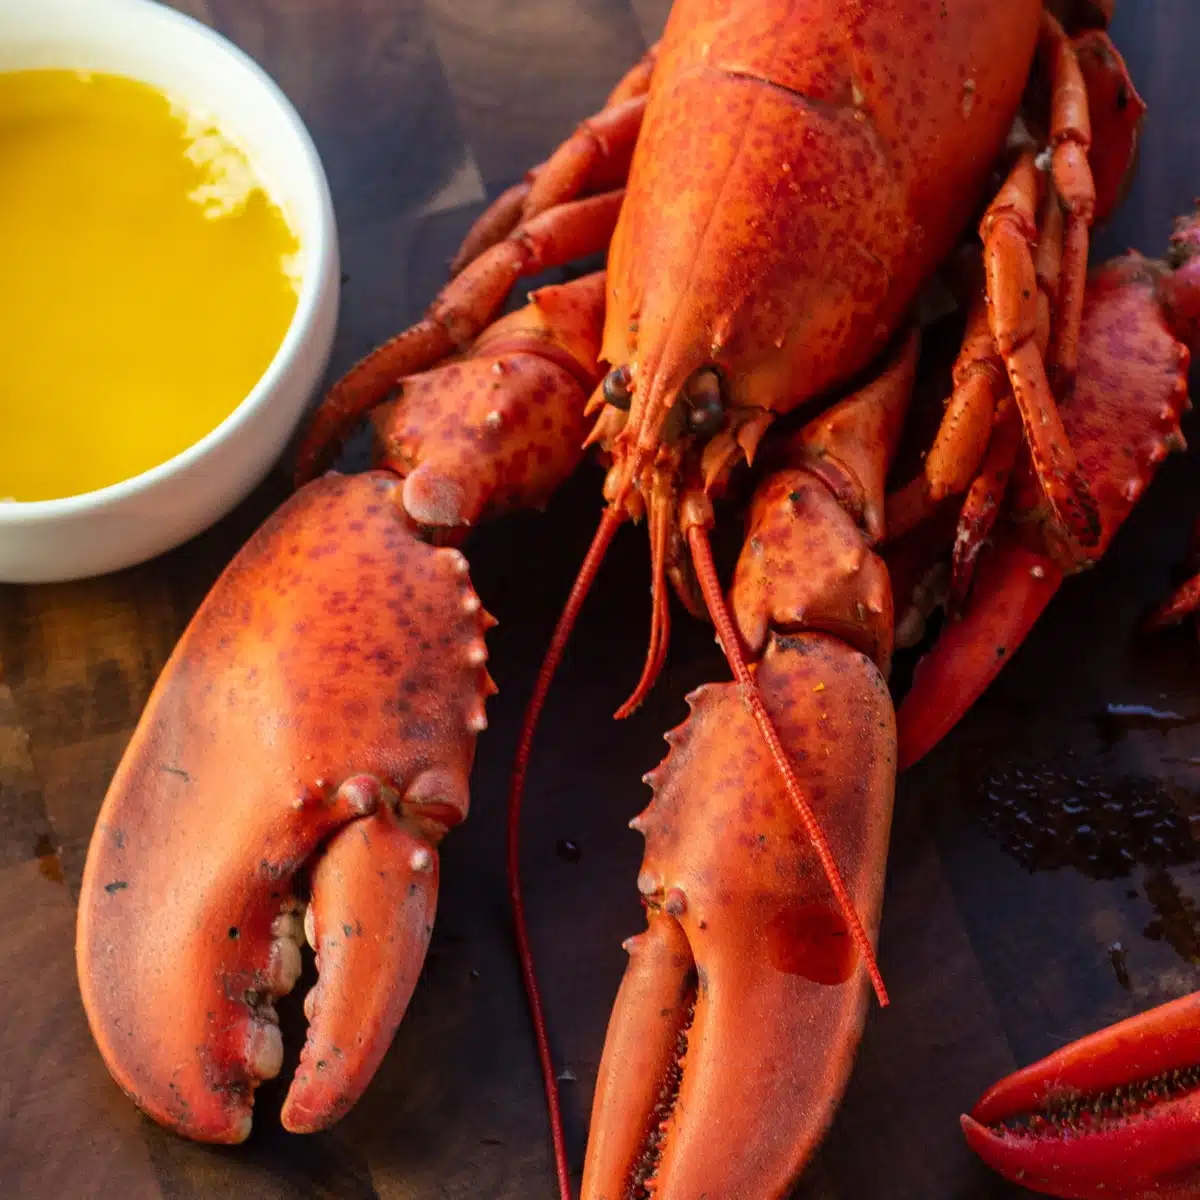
(706, 404)
(616, 388)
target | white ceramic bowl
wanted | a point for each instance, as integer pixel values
(131, 521)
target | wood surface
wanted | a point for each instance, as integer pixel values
(422, 110)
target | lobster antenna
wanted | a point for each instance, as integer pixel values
(710, 587)
(610, 522)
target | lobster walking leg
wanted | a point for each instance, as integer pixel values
(962, 438)
(311, 738)
(1115, 112)
(1071, 139)
(982, 505)
(595, 158)
(1139, 322)
(734, 1031)
(1009, 230)
(456, 317)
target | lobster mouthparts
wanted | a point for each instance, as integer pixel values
(1113, 1115)
(313, 733)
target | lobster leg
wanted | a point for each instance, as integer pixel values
(962, 438)
(456, 317)
(1116, 1114)
(1124, 417)
(980, 406)
(1008, 230)
(594, 158)
(1116, 112)
(311, 738)
(502, 428)
(982, 505)
(979, 373)
(735, 1028)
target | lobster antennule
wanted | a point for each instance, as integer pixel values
(661, 510)
(697, 519)
(610, 522)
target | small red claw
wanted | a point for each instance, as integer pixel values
(1113, 1116)
(328, 692)
(735, 1028)
(374, 896)
(1013, 585)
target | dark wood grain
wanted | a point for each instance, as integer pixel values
(422, 110)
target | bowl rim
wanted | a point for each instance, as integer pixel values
(309, 303)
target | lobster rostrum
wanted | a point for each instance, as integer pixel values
(1117, 1114)
(783, 177)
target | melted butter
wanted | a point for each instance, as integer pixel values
(148, 280)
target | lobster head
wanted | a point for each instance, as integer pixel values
(781, 214)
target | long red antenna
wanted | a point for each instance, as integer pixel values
(610, 522)
(710, 587)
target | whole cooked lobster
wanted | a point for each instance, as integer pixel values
(774, 184)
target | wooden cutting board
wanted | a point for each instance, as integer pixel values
(424, 109)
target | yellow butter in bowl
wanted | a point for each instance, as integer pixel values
(147, 279)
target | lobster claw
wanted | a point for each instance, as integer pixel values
(326, 697)
(374, 895)
(1013, 585)
(1113, 1116)
(734, 1031)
